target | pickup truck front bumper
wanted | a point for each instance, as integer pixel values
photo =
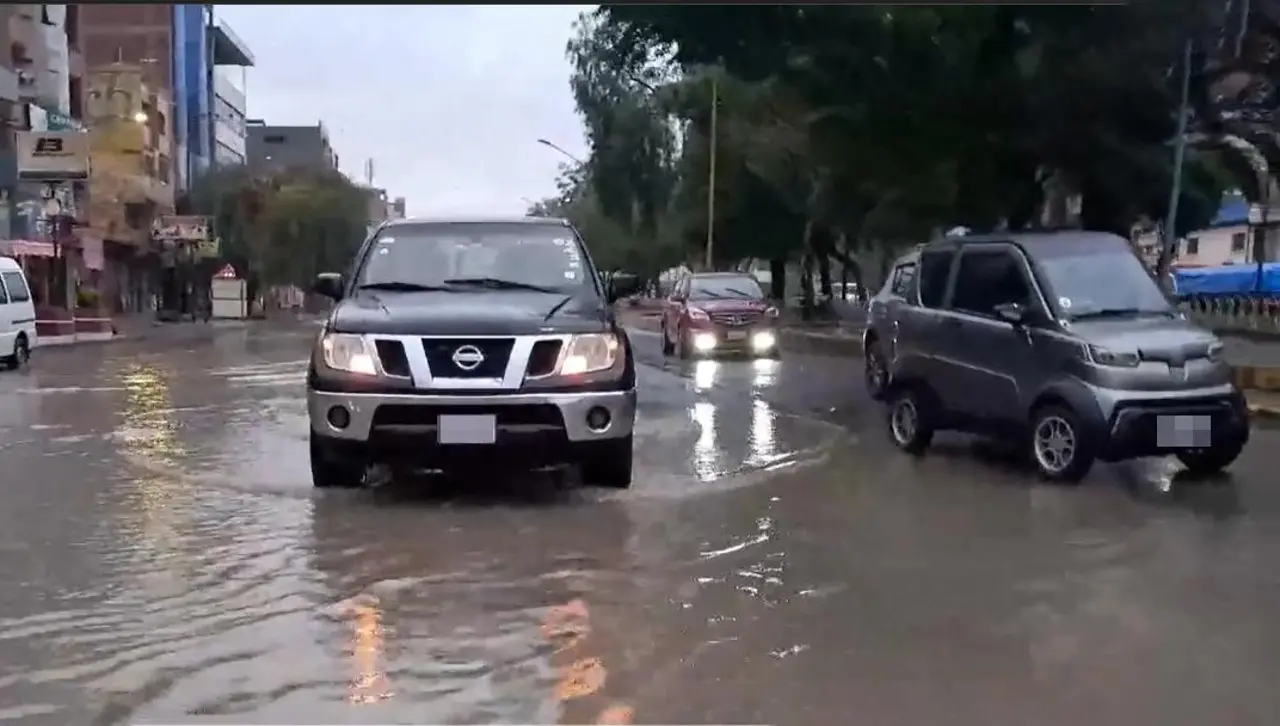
(528, 425)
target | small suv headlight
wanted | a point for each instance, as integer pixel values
(1216, 351)
(348, 353)
(589, 354)
(1112, 358)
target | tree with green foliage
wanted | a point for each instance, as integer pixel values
(284, 227)
(847, 132)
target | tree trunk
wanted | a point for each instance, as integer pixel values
(778, 280)
(824, 275)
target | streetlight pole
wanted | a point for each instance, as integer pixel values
(567, 155)
(1179, 156)
(711, 170)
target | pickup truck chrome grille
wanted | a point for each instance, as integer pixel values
(467, 364)
(468, 357)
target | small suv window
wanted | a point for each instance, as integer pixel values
(934, 269)
(988, 278)
(904, 279)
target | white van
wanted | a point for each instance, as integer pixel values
(17, 315)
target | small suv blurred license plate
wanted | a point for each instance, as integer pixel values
(736, 335)
(1184, 432)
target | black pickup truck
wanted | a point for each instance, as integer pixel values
(474, 342)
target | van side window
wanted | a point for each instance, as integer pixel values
(988, 278)
(935, 267)
(904, 280)
(16, 286)
(4, 296)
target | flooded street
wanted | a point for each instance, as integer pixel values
(167, 561)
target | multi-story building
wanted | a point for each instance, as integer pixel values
(229, 105)
(41, 89)
(132, 178)
(178, 47)
(288, 147)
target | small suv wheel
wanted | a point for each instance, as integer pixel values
(911, 423)
(331, 470)
(875, 374)
(1060, 449)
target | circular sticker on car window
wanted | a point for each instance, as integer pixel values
(1064, 303)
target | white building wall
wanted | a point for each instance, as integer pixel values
(229, 109)
(55, 84)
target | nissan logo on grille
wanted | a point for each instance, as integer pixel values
(468, 358)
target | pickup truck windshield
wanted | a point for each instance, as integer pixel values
(510, 256)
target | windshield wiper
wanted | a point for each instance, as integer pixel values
(398, 286)
(1119, 313)
(498, 284)
(740, 293)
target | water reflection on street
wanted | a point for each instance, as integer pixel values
(168, 562)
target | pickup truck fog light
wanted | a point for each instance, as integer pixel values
(598, 419)
(704, 342)
(763, 341)
(338, 417)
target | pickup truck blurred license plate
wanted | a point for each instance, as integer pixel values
(736, 335)
(468, 429)
(1184, 432)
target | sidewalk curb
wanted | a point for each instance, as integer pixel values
(1258, 378)
(1266, 413)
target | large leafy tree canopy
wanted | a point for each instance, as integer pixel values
(843, 131)
(286, 226)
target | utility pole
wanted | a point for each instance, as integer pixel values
(711, 171)
(1179, 155)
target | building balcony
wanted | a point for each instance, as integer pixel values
(228, 48)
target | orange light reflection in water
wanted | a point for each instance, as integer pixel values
(368, 644)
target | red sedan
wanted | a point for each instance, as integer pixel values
(716, 312)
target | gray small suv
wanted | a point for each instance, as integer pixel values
(1060, 341)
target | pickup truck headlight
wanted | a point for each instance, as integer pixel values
(1111, 358)
(343, 352)
(590, 353)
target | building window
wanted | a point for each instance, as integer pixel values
(273, 139)
(1237, 242)
(1193, 245)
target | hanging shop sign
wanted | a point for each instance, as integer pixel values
(53, 155)
(182, 228)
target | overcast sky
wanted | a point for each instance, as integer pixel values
(448, 101)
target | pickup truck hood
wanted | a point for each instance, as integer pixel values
(487, 312)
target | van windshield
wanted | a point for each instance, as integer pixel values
(1094, 283)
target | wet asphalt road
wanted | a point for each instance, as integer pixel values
(166, 560)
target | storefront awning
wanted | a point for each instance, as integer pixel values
(26, 248)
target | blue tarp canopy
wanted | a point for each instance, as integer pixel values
(1228, 280)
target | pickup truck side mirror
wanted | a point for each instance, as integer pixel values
(622, 285)
(328, 284)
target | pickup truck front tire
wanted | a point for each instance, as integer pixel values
(331, 469)
(608, 464)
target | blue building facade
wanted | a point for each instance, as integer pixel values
(193, 92)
